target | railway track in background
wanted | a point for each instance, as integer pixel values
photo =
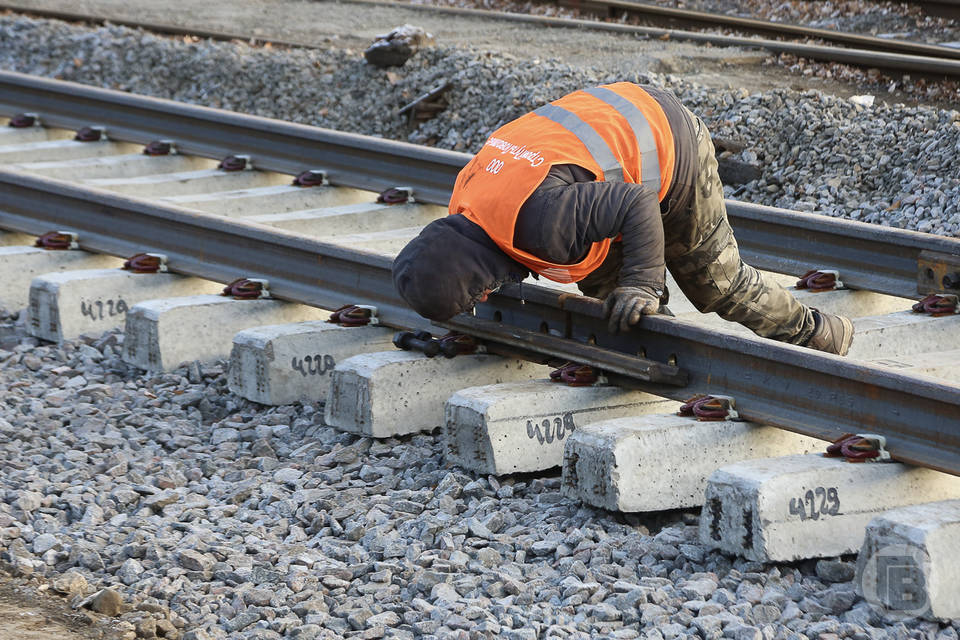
(789, 387)
(899, 56)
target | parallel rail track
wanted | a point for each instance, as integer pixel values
(899, 56)
(790, 387)
(691, 19)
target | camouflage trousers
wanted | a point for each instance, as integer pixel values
(703, 256)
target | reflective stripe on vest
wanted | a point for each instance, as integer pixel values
(596, 145)
(650, 160)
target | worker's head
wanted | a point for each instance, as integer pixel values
(450, 267)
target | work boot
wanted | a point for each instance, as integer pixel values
(833, 334)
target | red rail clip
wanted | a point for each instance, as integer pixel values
(235, 163)
(91, 134)
(354, 315)
(396, 195)
(937, 304)
(575, 375)
(57, 241)
(146, 263)
(247, 289)
(24, 120)
(310, 178)
(860, 447)
(160, 148)
(820, 280)
(706, 408)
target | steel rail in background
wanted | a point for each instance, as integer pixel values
(615, 8)
(934, 61)
(611, 8)
(794, 388)
(868, 256)
(926, 65)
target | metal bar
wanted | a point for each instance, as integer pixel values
(868, 256)
(615, 8)
(633, 366)
(794, 388)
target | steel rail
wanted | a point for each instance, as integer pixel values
(794, 388)
(924, 59)
(868, 256)
(349, 159)
(933, 65)
(613, 8)
(609, 7)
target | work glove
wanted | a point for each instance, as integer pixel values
(624, 306)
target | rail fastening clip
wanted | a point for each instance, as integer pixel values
(311, 178)
(96, 133)
(707, 408)
(57, 241)
(818, 280)
(859, 447)
(160, 148)
(576, 375)
(938, 304)
(236, 163)
(146, 263)
(247, 289)
(354, 315)
(396, 195)
(24, 120)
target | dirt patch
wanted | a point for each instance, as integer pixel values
(29, 612)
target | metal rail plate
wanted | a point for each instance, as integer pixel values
(787, 386)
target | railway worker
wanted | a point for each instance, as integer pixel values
(604, 187)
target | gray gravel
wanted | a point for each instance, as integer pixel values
(891, 165)
(188, 512)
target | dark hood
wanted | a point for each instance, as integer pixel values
(445, 269)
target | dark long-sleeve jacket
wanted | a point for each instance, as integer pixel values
(570, 211)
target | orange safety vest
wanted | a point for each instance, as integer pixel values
(616, 131)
